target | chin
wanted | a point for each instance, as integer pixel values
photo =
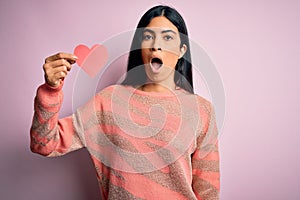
(165, 74)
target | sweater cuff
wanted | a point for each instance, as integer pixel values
(52, 91)
(49, 97)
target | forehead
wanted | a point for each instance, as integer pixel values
(162, 23)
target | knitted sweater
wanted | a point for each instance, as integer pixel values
(144, 145)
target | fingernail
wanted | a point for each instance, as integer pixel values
(75, 57)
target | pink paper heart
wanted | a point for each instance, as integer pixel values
(91, 60)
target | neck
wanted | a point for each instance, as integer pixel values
(158, 87)
(166, 85)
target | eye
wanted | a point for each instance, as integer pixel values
(147, 37)
(168, 37)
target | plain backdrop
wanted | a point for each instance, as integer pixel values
(253, 44)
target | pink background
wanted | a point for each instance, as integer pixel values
(254, 45)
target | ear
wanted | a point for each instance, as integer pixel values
(183, 49)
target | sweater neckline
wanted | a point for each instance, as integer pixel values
(173, 93)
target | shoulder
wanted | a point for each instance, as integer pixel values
(205, 106)
(203, 102)
(113, 91)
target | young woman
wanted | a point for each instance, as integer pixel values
(149, 137)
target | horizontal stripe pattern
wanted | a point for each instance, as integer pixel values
(142, 146)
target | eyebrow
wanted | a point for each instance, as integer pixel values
(164, 31)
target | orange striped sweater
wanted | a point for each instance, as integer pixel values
(143, 145)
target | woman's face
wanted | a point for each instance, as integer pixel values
(161, 49)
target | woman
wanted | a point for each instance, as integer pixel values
(150, 137)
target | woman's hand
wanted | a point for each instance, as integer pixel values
(57, 66)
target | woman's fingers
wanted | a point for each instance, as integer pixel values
(56, 67)
(56, 70)
(69, 57)
(58, 63)
(54, 75)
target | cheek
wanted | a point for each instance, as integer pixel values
(170, 59)
(145, 56)
(172, 47)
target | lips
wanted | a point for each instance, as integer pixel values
(156, 64)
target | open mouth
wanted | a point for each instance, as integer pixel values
(156, 64)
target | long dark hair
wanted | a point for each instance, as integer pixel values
(136, 75)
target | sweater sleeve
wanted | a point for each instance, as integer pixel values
(50, 136)
(205, 161)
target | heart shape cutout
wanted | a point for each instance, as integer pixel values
(91, 60)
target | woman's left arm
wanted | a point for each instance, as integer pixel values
(205, 161)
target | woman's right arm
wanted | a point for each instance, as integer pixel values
(49, 135)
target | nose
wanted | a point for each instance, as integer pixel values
(156, 49)
(156, 45)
